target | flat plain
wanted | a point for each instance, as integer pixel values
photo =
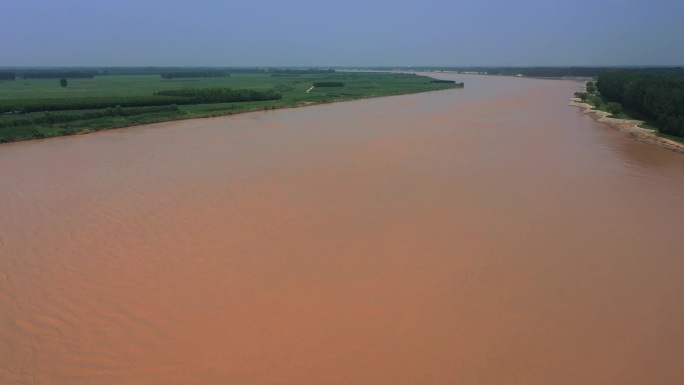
(296, 90)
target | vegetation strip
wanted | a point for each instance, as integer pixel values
(46, 107)
(657, 94)
(611, 113)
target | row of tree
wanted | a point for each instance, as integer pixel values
(549, 72)
(657, 94)
(64, 104)
(57, 74)
(511, 71)
(195, 74)
(295, 71)
(591, 96)
(441, 81)
(72, 116)
(7, 75)
(162, 98)
(328, 84)
(220, 95)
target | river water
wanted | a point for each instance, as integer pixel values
(486, 235)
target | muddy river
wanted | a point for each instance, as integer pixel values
(485, 235)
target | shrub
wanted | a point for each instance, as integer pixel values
(614, 108)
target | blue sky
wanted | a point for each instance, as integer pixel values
(341, 33)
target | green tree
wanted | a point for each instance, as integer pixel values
(656, 94)
(614, 108)
(582, 95)
(597, 101)
(63, 82)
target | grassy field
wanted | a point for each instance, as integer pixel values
(22, 126)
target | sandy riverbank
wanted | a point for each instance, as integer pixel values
(630, 127)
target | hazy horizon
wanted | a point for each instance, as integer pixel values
(76, 33)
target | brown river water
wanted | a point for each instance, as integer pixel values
(487, 235)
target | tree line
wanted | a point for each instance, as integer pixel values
(195, 74)
(657, 94)
(551, 72)
(220, 95)
(328, 84)
(441, 81)
(7, 76)
(57, 74)
(310, 71)
(37, 105)
(162, 98)
(512, 71)
(70, 116)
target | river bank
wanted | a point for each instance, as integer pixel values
(629, 127)
(21, 119)
(178, 118)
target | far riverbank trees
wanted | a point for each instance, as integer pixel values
(194, 74)
(656, 94)
(161, 98)
(328, 84)
(57, 74)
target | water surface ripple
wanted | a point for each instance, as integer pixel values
(489, 235)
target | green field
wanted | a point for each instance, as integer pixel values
(18, 125)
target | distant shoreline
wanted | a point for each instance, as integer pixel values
(221, 115)
(64, 119)
(575, 78)
(630, 127)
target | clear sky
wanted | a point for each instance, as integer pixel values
(341, 33)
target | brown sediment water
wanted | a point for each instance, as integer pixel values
(486, 235)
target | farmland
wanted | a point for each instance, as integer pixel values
(39, 108)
